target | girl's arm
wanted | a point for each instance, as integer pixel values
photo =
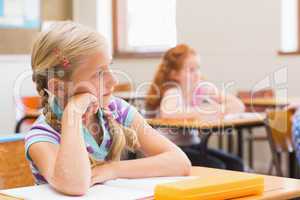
(231, 103)
(163, 158)
(172, 106)
(66, 167)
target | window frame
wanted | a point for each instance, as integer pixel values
(297, 52)
(117, 52)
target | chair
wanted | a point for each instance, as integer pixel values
(14, 168)
(266, 93)
(279, 131)
(30, 109)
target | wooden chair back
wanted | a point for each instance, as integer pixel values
(245, 94)
(14, 168)
(279, 124)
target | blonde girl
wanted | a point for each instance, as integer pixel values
(78, 140)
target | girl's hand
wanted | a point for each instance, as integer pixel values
(82, 102)
(102, 173)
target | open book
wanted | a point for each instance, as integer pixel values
(125, 189)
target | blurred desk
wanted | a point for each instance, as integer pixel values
(271, 102)
(206, 128)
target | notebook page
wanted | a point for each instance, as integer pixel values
(102, 192)
(144, 184)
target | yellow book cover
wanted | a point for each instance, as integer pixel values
(215, 187)
(9, 197)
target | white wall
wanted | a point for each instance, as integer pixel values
(13, 68)
(237, 39)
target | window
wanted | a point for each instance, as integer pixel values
(290, 43)
(19, 13)
(143, 27)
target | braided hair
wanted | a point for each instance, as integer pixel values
(57, 51)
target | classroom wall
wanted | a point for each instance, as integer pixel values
(50, 10)
(238, 41)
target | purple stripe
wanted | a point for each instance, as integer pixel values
(119, 105)
(112, 106)
(125, 113)
(41, 134)
(45, 129)
(90, 149)
(108, 144)
(39, 177)
(119, 119)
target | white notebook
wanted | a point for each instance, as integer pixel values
(125, 189)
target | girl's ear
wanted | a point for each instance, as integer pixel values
(56, 86)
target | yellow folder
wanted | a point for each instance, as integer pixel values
(8, 197)
(215, 187)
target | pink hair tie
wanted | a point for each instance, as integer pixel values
(63, 60)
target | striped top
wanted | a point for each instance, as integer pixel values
(41, 131)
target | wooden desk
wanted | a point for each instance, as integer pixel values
(256, 119)
(207, 128)
(271, 102)
(275, 187)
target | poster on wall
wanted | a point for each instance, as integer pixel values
(20, 14)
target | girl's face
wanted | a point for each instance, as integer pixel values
(190, 75)
(95, 77)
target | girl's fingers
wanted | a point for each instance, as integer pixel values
(96, 108)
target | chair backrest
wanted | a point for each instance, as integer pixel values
(279, 123)
(14, 168)
(31, 103)
(246, 94)
(123, 87)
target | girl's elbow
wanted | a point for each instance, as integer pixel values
(186, 167)
(71, 188)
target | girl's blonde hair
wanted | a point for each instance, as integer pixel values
(56, 52)
(172, 60)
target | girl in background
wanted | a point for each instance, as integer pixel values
(182, 93)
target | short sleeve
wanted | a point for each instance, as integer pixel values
(124, 112)
(39, 133)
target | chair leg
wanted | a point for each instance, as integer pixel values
(250, 148)
(220, 140)
(230, 142)
(292, 160)
(275, 155)
(271, 167)
(278, 164)
(240, 142)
